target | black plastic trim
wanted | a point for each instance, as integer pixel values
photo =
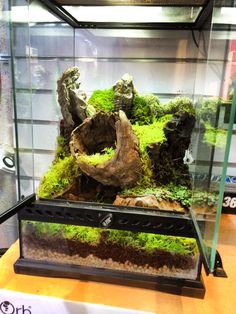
(16, 208)
(192, 288)
(123, 218)
(219, 269)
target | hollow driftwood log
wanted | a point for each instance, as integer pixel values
(108, 130)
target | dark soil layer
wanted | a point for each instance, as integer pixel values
(116, 252)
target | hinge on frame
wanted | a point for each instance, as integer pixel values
(218, 269)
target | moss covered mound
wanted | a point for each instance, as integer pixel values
(102, 100)
(146, 109)
(179, 105)
(58, 178)
(151, 133)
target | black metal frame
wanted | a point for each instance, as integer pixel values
(120, 217)
(113, 217)
(16, 208)
(55, 7)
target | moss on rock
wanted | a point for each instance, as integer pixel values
(102, 100)
(146, 109)
(58, 178)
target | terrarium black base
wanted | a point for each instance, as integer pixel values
(186, 287)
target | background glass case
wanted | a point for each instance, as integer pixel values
(193, 56)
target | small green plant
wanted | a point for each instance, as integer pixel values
(102, 100)
(58, 178)
(98, 158)
(169, 192)
(180, 193)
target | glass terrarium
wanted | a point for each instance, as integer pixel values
(122, 127)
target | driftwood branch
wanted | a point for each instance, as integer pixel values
(108, 130)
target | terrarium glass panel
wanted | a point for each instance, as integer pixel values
(215, 106)
(8, 160)
(134, 252)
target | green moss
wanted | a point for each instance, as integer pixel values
(70, 232)
(146, 109)
(169, 192)
(149, 134)
(179, 105)
(147, 176)
(58, 178)
(62, 150)
(41, 229)
(152, 133)
(142, 241)
(150, 242)
(97, 158)
(82, 234)
(214, 136)
(102, 100)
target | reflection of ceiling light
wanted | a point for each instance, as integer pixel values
(226, 11)
(115, 14)
(33, 13)
(224, 15)
(133, 14)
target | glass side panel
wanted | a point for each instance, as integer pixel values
(8, 186)
(43, 48)
(212, 136)
(127, 251)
